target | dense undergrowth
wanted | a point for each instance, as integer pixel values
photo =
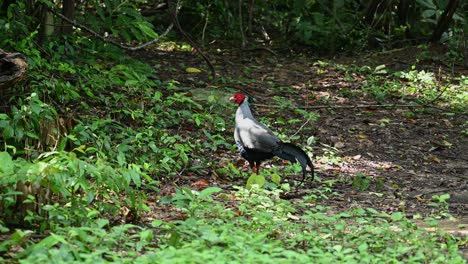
(92, 135)
(68, 189)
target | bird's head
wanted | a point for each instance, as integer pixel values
(238, 98)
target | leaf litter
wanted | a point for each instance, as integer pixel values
(407, 154)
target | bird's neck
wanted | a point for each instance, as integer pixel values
(243, 111)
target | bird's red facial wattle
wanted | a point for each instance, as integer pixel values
(238, 98)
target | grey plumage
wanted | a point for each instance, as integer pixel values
(256, 142)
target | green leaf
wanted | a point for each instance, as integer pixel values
(101, 223)
(427, 3)
(8, 132)
(7, 163)
(146, 235)
(428, 13)
(255, 179)
(372, 211)
(147, 30)
(44, 244)
(92, 213)
(445, 196)
(135, 176)
(208, 192)
(276, 178)
(157, 223)
(338, 248)
(397, 216)
(363, 247)
(174, 239)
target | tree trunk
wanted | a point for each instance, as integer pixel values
(403, 10)
(444, 21)
(403, 13)
(4, 7)
(47, 26)
(68, 10)
(372, 9)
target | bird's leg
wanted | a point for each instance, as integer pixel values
(253, 170)
(255, 166)
(252, 167)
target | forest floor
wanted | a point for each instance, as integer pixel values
(408, 154)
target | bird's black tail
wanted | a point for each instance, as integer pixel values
(294, 153)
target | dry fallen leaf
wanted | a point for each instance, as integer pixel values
(339, 145)
(433, 158)
(200, 184)
(362, 136)
(192, 70)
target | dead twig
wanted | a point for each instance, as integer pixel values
(293, 195)
(175, 20)
(300, 128)
(440, 191)
(352, 106)
(261, 48)
(95, 34)
(241, 26)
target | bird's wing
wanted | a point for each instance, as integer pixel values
(254, 135)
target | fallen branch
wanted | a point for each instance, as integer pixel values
(439, 191)
(352, 106)
(175, 21)
(261, 48)
(107, 40)
(300, 128)
(293, 195)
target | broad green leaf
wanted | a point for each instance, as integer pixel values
(157, 223)
(276, 178)
(44, 244)
(397, 216)
(174, 239)
(6, 163)
(255, 179)
(363, 247)
(146, 235)
(427, 3)
(147, 30)
(135, 176)
(101, 223)
(92, 213)
(208, 192)
(428, 13)
(8, 132)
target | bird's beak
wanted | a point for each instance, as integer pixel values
(232, 98)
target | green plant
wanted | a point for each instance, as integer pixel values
(361, 182)
(91, 196)
(325, 192)
(24, 128)
(330, 156)
(439, 202)
(90, 243)
(65, 189)
(193, 202)
(257, 226)
(464, 131)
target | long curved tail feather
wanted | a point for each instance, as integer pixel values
(295, 154)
